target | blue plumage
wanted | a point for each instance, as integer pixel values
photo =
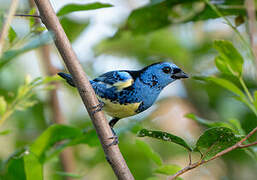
(125, 93)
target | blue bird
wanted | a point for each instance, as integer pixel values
(125, 93)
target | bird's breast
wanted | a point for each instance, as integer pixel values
(115, 109)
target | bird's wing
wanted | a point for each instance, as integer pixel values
(118, 79)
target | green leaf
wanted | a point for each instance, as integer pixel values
(88, 137)
(50, 79)
(81, 7)
(168, 169)
(157, 14)
(215, 140)
(32, 19)
(35, 42)
(23, 165)
(164, 136)
(152, 178)
(33, 168)
(237, 126)
(232, 59)
(162, 13)
(52, 135)
(208, 123)
(23, 105)
(227, 85)
(221, 65)
(5, 132)
(73, 28)
(255, 100)
(162, 42)
(11, 35)
(149, 152)
(233, 124)
(3, 105)
(14, 169)
(72, 175)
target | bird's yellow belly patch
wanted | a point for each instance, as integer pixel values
(119, 110)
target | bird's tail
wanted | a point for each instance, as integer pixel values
(68, 78)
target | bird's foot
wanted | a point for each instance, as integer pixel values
(114, 137)
(98, 107)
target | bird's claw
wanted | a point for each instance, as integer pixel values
(98, 107)
(115, 140)
(114, 137)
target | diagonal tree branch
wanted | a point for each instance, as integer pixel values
(85, 89)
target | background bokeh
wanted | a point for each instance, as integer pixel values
(125, 37)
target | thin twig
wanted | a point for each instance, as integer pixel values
(85, 89)
(7, 24)
(216, 10)
(196, 164)
(250, 7)
(28, 15)
(247, 145)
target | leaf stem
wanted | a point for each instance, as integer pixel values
(231, 25)
(200, 162)
(246, 89)
(247, 145)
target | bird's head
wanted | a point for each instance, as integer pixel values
(161, 74)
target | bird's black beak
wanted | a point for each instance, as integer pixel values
(179, 75)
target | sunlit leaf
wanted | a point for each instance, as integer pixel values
(11, 35)
(50, 79)
(35, 42)
(164, 136)
(221, 65)
(3, 105)
(32, 19)
(255, 99)
(232, 59)
(168, 169)
(215, 140)
(5, 132)
(33, 168)
(72, 175)
(225, 84)
(73, 28)
(69, 8)
(25, 104)
(149, 152)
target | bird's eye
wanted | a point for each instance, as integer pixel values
(166, 70)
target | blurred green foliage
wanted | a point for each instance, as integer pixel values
(222, 92)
